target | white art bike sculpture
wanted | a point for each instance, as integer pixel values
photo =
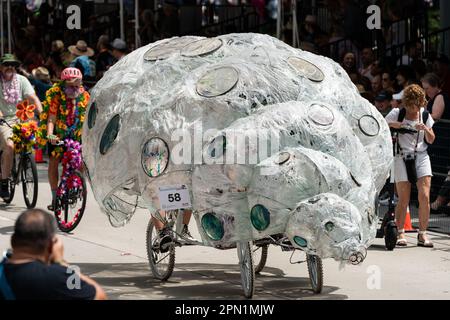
(330, 148)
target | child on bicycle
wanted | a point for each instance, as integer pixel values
(62, 118)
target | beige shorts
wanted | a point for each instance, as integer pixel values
(5, 134)
(423, 167)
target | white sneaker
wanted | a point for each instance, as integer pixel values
(186, 235)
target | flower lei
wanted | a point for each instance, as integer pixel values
(71, 162)
(10, 90)
(24, 133)
(68, 123)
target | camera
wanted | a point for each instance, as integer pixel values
(410, 164)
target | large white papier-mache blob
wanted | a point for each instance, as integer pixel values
(175, 112)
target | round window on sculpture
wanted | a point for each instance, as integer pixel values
(110, 134)
(155, 157)
(92, 115)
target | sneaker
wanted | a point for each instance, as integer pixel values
(4, 188)
(186, 235)
(164, 238)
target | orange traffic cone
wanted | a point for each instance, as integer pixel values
(408, 225)
(38, 156)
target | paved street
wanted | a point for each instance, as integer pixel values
(116, 258)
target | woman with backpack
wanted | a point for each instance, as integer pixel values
(412, 163)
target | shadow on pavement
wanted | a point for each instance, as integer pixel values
(199, 281)
(11, 207)
(7, 230)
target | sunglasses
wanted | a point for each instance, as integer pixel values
(9, 64)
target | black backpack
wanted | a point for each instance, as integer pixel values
(402, 114)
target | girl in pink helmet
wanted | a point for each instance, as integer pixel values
(62, 117)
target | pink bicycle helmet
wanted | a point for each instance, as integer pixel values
(71, 73)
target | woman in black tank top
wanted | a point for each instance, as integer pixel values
(439, 104)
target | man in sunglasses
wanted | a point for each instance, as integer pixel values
(14, 88)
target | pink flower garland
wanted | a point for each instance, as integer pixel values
(71, 163)
(11, 90)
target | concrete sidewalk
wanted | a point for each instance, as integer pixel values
(116, 258)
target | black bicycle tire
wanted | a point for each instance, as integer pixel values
(390, 236)
(247, 250)
(262, 261)
(30, 204)
(171, 264)
(66, 206)
(310, 260)
(12, 183)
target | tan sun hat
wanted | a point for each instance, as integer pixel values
(41, 73)
(81, 49)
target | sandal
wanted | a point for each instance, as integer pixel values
(423, 243)
(401, 242)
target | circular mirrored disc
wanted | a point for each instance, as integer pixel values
(165, 50)
(321, 115)
(217, 82)
(283, 157)
(155, 157)
(201, 47)
(369, 125)
(306, 69)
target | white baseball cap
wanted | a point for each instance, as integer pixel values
(398, 96)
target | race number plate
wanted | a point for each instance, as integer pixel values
(174, 197)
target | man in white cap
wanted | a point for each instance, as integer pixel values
(397, 100)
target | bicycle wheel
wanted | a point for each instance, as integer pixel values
(260, 257)
(245, 254)
(12, 183)
(29, 178)
(70, 205)
(390, 236)
(160, 254)
(315, 271)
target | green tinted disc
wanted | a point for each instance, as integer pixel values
(300, 241)
(212, 226)
(260, 217)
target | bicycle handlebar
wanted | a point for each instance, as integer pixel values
(405, 130)
(3, 122)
